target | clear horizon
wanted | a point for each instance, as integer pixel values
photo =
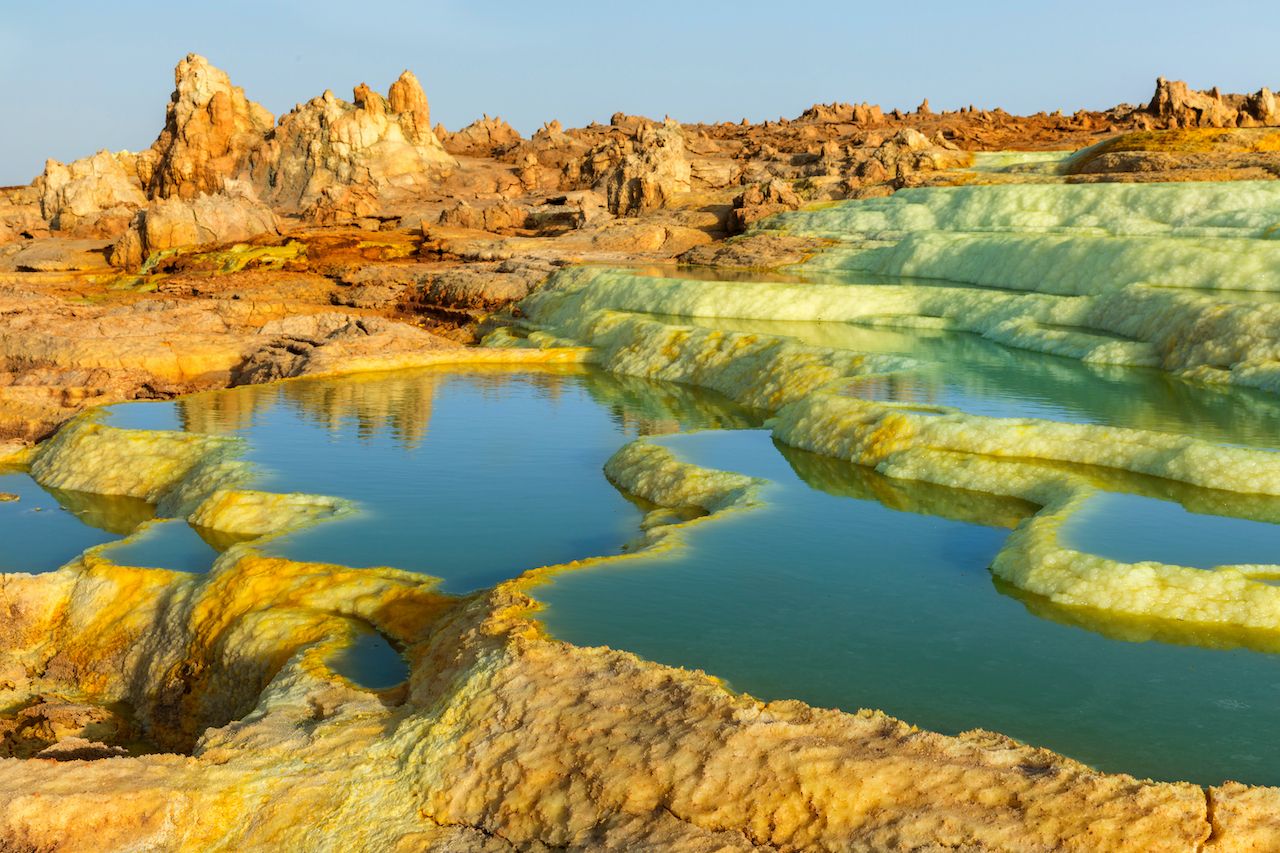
(83, 77)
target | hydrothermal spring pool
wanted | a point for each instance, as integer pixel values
(846, 589)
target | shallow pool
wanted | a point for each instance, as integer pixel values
(853, 591)
(846, 589)
(470, 476)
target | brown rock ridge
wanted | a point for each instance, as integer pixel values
(485, 137)
(1176, 105)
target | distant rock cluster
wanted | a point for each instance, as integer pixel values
(1176, 105)
(221, 164)
(222, 168)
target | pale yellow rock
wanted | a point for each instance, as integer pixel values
(375, 142)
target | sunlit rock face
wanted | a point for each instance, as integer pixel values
(485, 137)
(173, 223)
(92, 195)
(1178, 105)
(381, 142)
(209, 129)
(649, 174)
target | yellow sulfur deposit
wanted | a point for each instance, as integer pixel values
(244, 512)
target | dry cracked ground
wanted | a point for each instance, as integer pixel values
(352, 235)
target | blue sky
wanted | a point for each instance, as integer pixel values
(79, 76)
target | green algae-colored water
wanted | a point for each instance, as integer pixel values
(846, 590)
(472, 477)
(850, 590)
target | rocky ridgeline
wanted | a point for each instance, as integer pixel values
(221, 157)
(1176, 105)
(376, 159)
(233, 218)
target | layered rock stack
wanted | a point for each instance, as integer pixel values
(220, 156)
(380, 143)
(651, 172)
(486, 137)
(210, 128)
(93, 196)
(1174, 104)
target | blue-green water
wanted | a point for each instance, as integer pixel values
(965, 371)
(370, 662)
(831, 596)
(472, 477)
(846, 590)
(44, 529)
(170, 544)
(1134, 528)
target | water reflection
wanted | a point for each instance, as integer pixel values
(978, 376)
(470, 475)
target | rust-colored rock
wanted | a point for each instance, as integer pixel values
(760, 200)
(1175, 104)
(210, 128)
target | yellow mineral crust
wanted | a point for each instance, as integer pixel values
(1203, 334)
(87, 456)
(503, 737)
(245, 512)
(185, 474)
(460, 356)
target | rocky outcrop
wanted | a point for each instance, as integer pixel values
(486, 137)
(906, 152)
(380, 143)
(650, 172)
(58, 255)
(760, 200)
(210, 128)
(550, 159)
(328, 343)
(1174, 104)
(20, 213)
(838, 113)
(343, 205)
(93, 196)
(501, 215)
(173, 223)
(1186, 154)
